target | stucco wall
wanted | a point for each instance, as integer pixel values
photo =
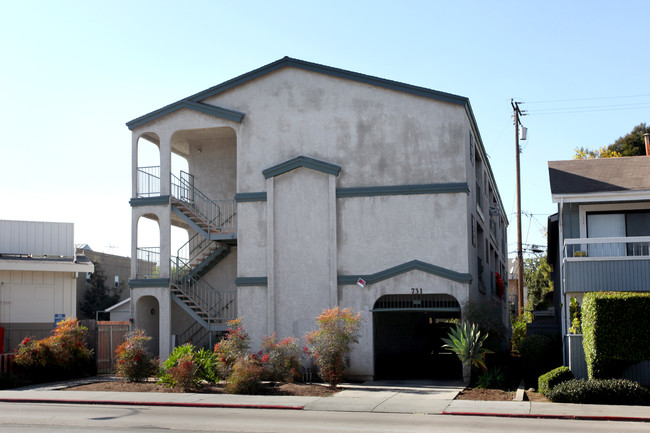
(379, 136)
(301, 266)
(376, 233)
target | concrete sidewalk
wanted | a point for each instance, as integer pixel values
(389, 397)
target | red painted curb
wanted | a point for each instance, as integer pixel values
(549, 416)
(154, 403)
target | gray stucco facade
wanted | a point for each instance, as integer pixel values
(336, 176)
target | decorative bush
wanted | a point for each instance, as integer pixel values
(183, 375)
(615, 331)
(281, 360)
(203, 367)
(232, 347)
(519, 325)
(488, 319)
(548, 381)
(62, 355)
(466, 341)
(600, 391)
(245, 376)
(492, 378)
(538, 353)
(338, 329)
(132, 361)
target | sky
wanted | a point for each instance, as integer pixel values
(72, 73)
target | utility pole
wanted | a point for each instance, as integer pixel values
(520, 253)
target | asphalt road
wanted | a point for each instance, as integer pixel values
(15, 417)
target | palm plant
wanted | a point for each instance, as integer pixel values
(466, 341)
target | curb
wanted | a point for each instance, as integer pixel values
(155, 403)
(550, 416)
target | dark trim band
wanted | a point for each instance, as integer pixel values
(433, 188)
(414, 265)
(243, 197)
(149, 201)
(302, 161)
(148, 282)
(251, 281)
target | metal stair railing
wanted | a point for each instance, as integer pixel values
(215, 215)
(210, 302)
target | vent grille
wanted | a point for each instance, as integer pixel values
(431, 302)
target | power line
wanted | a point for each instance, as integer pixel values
(586, 99)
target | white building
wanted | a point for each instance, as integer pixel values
(302, 179)
(38, 270)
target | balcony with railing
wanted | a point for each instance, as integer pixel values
(148, 264)
(607, 264)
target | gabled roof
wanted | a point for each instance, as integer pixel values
(581, 177)
(194, 102)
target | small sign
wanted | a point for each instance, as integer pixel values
(361, 283)
(58, 318)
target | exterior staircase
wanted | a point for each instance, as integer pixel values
(215, 224)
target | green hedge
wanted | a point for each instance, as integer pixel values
(614, 326)
(600, 391)
(538, 354)
(554, 377)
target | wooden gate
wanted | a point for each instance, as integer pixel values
(109, 336)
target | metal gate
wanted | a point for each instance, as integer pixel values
(109, 336)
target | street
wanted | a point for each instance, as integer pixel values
(15, 417)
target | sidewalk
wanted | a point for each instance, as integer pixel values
(420, 397)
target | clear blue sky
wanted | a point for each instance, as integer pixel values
(73, 72)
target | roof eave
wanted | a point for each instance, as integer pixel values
(634, 195)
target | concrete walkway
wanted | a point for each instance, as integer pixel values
(390, 397)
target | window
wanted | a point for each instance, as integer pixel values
(117, 281)
(618, 224)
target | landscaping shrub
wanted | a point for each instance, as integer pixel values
(547, 381)
(62, 355)
(338, 329)
(466, 341)
(487, 317)
(281, 360)
(183, 375)
(245, 376)
(614, 326)
(600, 391)
(492, 378)
(232, 347)
(132, 361)
(538, 353)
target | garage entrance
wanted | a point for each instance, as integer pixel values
(408, 331)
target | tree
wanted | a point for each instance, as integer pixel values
(98, 297)
(537, 278)
(632, 144)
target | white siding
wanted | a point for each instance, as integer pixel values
(38, 238)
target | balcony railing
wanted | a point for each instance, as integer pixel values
(606, 248)
(148, 265)
(607, 264)
(148, 182)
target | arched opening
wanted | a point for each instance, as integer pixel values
(148, 176)
(148, 316)
(408, 331)
(148, 247)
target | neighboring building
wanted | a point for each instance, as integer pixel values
(599, 239)
(38, 270)
(304, 179)
(116, 269)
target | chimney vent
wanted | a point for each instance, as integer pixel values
(646, 136)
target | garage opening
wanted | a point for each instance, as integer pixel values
(408, 331)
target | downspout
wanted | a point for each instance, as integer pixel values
(562, 288)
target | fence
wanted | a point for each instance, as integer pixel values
(109, 336)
